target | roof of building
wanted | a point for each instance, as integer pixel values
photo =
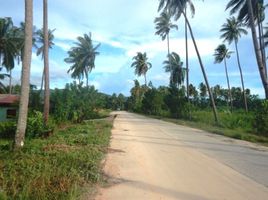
(8, 99)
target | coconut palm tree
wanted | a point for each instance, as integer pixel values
(40, 49)
(231, 32)
(221, 54)
(192, 9)
(46, 63)
(177, 8)
(141, 65)
(11, 42)
(173, 65)
(248, 13)
(25, 77)
(163, 26)
(82, 57)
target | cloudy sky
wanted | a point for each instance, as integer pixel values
(124, 27)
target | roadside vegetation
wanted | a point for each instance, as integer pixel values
(58, 167)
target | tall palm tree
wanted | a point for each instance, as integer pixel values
(141, 65)
(163, 26)
(248, 13)
(46, 63)
(177, 7)
(40, 49)
(82, 57)
(231, 32)
(173, 65)
(221, 54)
(192, 9)
(25, 77)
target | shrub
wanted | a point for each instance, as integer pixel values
(261, 119)
(7, 129)
(36, 127)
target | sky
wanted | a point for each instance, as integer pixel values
(124, 28)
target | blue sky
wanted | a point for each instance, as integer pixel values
(126, 27)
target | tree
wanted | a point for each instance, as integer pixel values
(221, 54)
(173, 65)
(40, 49)
(177, 7)
(25, 78)
(141, 65)
(11, 41)
(247, 12)
(192, 9)
(46, 63)
(163, 27)
(231, 32)
(82, 56)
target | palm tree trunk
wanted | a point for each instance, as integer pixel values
(46, 62)
(261, 39)
(42, 81)
(229, 88)
(145, 79)
(241, 77)
(10, 81)
(168, 44)
(262, 45)
(203, 71)
(257, 49)
(25, 76)
(87, 79)
(186, 56)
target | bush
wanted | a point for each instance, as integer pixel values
(261, 119)
(7, 129)
(36, 127)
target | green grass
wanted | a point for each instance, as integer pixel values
(236, 125)
(58, 167)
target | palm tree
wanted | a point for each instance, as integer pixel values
(82, 57)
(177, 7)
(40, 49)
(10, 44)
(231, 32)
(173, 65)
(248, 13)
(192, 9)
(163, 26)
(141, 65)
(25, 77)
(46, 63)
(221, 54)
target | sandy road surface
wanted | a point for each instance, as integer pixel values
(151, 159)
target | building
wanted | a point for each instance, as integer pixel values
(8, 107)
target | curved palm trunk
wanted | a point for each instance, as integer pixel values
(261, 40)
(25, 76)
(258, 54)
(229, 88)
(46, 63)
(241, 77)
(263, 48)
(203, 71)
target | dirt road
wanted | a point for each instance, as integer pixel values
(151, 159)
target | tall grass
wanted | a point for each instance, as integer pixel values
(57, 167)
